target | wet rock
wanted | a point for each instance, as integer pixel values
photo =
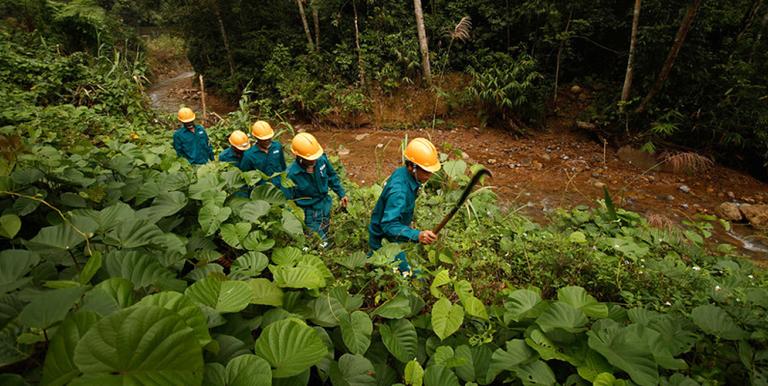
(596, 175)
(729, 211)
(710, 189)
(491, 161)
(684, 189)
(381, 145)
(757, 215)
(360, 137)
(546, 157)
(536, 165)
(464, 155)
(585, 125)
(599, 185)
(576, 89)
(731, 195)
(684, 206)
(667, 197)
(342, 150)
(565, 157)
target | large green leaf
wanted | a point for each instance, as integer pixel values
(109, 296)
(62, 236)
(211, 216)
(624, 349)
(302, 276)
(291, 347)
(536, 373)
(399, 336)
(352, 370)
(14, 265)
(254, 210)
(10, 224)
(356, 329)
(248, 370)
(414, 373)
(593, 364)
(291, 224)
(563, 316)
(50, 307)
(547, 349)
(91, 267)
(183, 307)
(233, 234)
(265, 292)
(441, 278)
(474, 307)
(165, 204)
(248, 265)
(715, 321)
(395, 308)
(520, 305)
(11, 350)
(474, 363)
(515, 354)
(140, 345)
(325, 311)
(59, 367)
(141, 270)
(223, 296)
(440, 376)
(446, 318)
(268, 193)
(581, 300)
(133, 233)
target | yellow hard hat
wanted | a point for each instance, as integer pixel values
(423, 153)
(262, 130)
(239, 140)
(186, 114)
(305, 145)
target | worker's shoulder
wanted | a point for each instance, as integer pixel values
(294, 169)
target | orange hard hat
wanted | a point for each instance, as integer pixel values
(305, 145)
(262, 130)
(186, 114)
(423, 153)
(239, 140)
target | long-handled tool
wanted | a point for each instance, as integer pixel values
(464, 195)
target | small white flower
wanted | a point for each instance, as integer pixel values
(717, 288)
(696, 268)
(641, 272)
(750, 276)
(642, 260)
(305, 249)
(738, 300)
(667, 303)
(616, 246)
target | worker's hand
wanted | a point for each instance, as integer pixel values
(427, 237)
(344, 201)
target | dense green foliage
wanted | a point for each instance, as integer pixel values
(122, 264)
(713, 100)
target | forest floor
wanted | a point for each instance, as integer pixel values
(559, 166)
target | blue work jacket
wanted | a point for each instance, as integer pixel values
(193, 145)
(230, 155)
(270, 162)
(393, 212)
(311, 190)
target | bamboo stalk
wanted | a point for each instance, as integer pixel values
(202, 97)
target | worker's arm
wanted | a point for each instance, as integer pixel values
(208, 144)
(178, 146)
(282, 158)
(334, 181)
(390, 222)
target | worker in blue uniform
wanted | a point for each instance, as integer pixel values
(239, 143)
(267, 156)
(393, 213)
(190, 140)
(313, 175)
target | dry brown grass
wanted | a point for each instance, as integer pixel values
(687, 162)
(461, 31)
(660, 221)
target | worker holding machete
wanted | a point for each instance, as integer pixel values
(393, 213)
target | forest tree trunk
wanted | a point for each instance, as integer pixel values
(360, 66)
(422, 42)
(682, 32)
(300, 3)
(559, 54)
(223, 31)
(631, 59)
(316, 21)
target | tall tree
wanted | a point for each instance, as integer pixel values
(682, 32)
(422, 42)
(303, 15)
(223, 31)
(360, 66)
(316, 21)
(631, 57)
